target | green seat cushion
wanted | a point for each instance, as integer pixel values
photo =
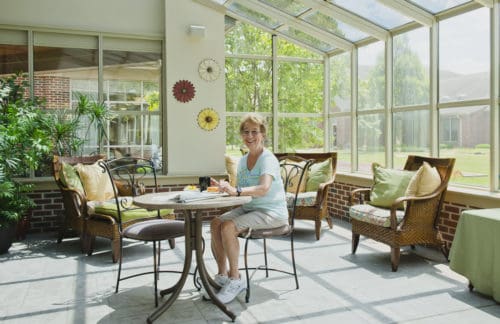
(131, 211)
(319, 173)
(388, 184)
(70, 179)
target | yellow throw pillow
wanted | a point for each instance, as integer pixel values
(232, 169)
(294, 181)
(424, 182)
(95, 182)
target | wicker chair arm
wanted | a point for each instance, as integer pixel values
(78, 201)
(411, 199)
(322, 193)
(108, 218)
(362, 194)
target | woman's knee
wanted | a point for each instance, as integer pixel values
(228, 228)
(215, 224)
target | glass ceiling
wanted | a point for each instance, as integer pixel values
(330, 26)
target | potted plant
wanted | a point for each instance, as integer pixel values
(70, 128)
(24, 143)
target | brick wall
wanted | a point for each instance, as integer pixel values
(45, 217)
(55, 90)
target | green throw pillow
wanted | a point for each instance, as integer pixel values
(388, 184)
(70, 179)
(318, 173)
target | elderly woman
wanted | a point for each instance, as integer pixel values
(259, 177)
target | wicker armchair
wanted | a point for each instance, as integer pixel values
(74, 201)
(92, 218)
(418, 224)
(317, 210)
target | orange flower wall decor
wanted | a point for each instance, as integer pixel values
(183, 90)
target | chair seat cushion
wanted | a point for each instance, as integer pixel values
(155, 230)
(374, 215)
(307, 198)
(131, 211)
(269, 232)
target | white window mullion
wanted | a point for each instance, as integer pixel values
(354, 110)
(494, 96)
(275, 92)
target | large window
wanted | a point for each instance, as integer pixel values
(340, 110)
(464, 133)
(132, 74)
(464, 57)
(464, 75)
(249, 88)
(371, 77)
(66, 67)
(371, 101)
(411, 68)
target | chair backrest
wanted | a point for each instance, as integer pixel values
(444, 167)
(57, 162)
(315, 157)
(292, 172)
(128, 175)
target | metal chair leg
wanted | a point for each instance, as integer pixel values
(265, 258)
(247, 296)
(119, 265)
(155, 267)
(293, 261)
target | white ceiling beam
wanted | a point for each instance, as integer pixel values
(299, 24)
(486, 3)
(349, 18)
(411, 11)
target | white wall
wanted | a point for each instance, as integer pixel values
(192, 150)
(136, 17)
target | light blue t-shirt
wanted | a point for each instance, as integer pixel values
(274, 202)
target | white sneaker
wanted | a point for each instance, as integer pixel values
(230, 290)
(221, 280)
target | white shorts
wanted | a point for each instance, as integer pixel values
(253, 219)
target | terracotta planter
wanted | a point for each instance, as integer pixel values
(7, 234)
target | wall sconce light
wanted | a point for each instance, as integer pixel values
(197, 31)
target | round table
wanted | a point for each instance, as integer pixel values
(193, 239)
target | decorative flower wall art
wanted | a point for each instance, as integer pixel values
(183, 90)
(208, 119)
(209, 70)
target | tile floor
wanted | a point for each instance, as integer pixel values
(45, 282)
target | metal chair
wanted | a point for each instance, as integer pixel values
(129, 174)
(292, 174)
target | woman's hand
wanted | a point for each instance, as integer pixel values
(225, 186)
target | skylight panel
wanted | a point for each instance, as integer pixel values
(307, 39)
(291, 7)
(436, 6)
(374, 12)
(336, 27)
(254, 15)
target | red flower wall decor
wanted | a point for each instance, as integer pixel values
(183, 90)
